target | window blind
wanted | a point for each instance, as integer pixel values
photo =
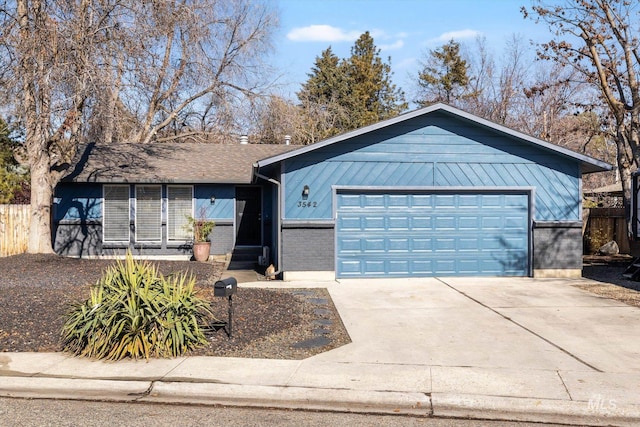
(115, 214)
(180, 205)
(148, 213)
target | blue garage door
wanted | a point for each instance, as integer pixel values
(432, 234)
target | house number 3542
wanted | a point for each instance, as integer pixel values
(305, 204)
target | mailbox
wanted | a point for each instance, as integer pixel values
(225, 287)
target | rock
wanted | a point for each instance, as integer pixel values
(610, 248)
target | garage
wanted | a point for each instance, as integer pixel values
(433, 192)
(432, 233)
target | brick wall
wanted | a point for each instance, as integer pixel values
(308, 248)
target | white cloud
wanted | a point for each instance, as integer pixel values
(393, 46)
(322, 33)
(456, 35)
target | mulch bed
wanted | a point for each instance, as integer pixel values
(607, 271)
(36, 290)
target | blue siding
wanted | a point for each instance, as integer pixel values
(222, 208)
(77, 202)
(433, 150)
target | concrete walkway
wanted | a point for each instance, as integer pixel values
(511, 349)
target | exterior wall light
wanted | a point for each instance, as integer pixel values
(305, 192)
(213, 199)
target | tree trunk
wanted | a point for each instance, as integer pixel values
(41, 199)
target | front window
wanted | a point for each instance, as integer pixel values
(148, 213)
(179, 206)
(115, 221)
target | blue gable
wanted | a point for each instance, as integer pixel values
(432, 150)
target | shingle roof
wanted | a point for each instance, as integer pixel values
(170, 162)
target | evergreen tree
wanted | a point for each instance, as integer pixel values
(326, 81)
(12, 177)
(342, 95)
(444, 76)
(372, 97)
(322, 99)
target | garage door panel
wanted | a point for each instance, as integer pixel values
(445, 223)
(469, 223)
(444, 200)
(419, 222)
(346, 201)
(421, 200)
(399, 245)
(469, 244)
(402, 234)
(348, 222)
(491, 201)
(372, 223)
(399, 200)
(399, 223)
(400, 266)
(421, 244)
(373, 200)
(374, 245)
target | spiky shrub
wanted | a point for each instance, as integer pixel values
(133, 311)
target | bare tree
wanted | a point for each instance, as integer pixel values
(193, 60)
(496, 88)
(48, 70)
(122, 69)
(599, 40)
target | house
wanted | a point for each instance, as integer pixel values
(138, 196)
(433, 192)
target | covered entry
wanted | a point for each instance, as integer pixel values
(432, 233)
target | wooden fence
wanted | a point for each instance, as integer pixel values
(14, 229)
(602, 225)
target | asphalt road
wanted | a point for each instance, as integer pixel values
(67, 413)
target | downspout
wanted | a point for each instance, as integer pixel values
(278, 220)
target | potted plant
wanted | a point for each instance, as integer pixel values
(201, 229)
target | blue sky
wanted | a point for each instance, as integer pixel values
(405, 30)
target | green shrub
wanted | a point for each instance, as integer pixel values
(201, 228)
(133, 311)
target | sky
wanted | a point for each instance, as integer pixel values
(405, 30)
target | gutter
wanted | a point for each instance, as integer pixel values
(278, 219)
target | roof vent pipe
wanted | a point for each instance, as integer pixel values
(287, 139)
(244, 139)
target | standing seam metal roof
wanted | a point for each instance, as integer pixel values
(588, 164)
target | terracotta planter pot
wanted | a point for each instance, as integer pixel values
(201, 251)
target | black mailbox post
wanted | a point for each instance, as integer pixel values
(226, 288)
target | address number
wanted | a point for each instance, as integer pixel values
(306, 204)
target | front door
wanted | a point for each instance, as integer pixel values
(248, 216)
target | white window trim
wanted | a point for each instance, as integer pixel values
(104, 190)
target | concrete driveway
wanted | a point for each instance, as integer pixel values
(519, 337)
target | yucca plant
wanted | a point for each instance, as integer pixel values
(134, 311)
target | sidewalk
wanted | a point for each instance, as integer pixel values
(508, 349)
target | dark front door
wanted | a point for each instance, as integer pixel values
(248, 216)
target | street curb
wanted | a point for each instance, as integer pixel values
(73, 388)
(533, 410)
(343, 400)
(441, 405)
